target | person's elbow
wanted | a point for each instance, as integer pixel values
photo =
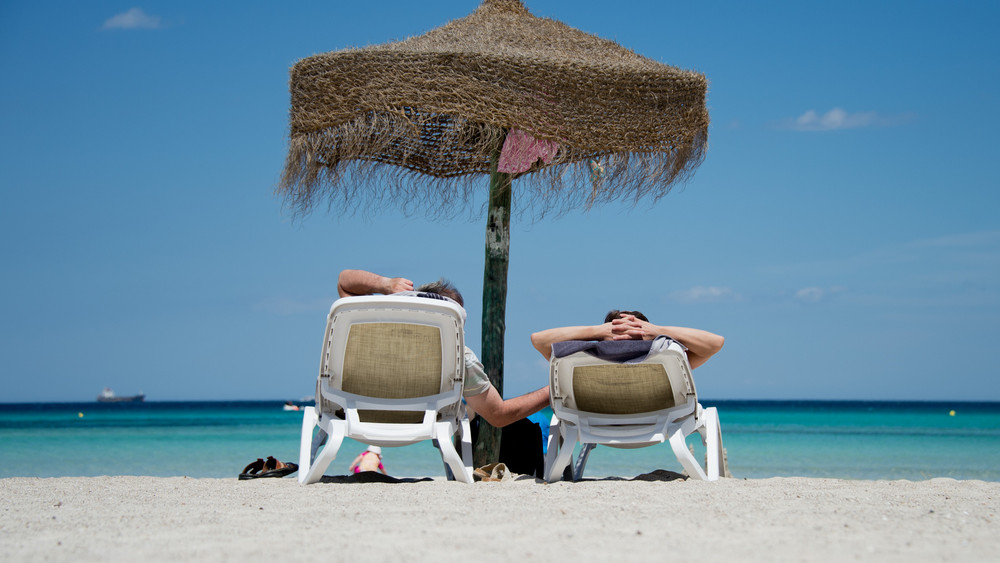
(541, 344)
(717, 343)
(498, 415)
(535, 339)
(710, 346)
(497, 420)
(491, 407)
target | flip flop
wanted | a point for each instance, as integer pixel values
(275, 468)
(492, 472)
(252, 470)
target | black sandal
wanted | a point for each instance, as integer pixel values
(252, 470)
(275, 468)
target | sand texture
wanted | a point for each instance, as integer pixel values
(779, 519)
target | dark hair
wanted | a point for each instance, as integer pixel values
(443, 287)
(615, 313)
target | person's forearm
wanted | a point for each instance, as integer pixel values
(500, 413)
(543, 341)
(701, 344)
(359, 282)
(519, 407)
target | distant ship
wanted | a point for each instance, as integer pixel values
(108, 396)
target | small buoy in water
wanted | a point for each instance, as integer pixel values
(80, 414)
(952, 413)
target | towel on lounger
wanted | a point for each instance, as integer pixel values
(620, 351)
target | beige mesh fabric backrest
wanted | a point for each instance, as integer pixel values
(662, 381)
(622, 388)
(393, 353)
(392, 361)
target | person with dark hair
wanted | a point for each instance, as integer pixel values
(480, 395)
(615, 313)
(633, 325)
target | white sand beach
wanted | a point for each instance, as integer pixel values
(778, 519)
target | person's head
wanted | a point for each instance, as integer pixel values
(375, 450)
(444, 288)
(615, 313)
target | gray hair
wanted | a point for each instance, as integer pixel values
(444, 288)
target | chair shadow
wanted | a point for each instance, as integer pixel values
(657, 475)
(370, 477)
(376, 477)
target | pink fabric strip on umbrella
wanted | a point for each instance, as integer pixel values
(521, 150)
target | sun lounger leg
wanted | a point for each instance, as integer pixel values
(552, 446)
(690, 464)
(581, 461)
(554, 471)
(466, 444)
(444, 432)
(318, 440)
(309, 420)
(715, 458)
(463, 444)
(313, 471)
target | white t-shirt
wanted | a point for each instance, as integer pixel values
(476, 380)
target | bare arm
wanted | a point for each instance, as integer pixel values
(352, 283)
(500, 413)
(355, 463)
(701, 344)
(543, 341)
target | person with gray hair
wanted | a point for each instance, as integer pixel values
(480, 395)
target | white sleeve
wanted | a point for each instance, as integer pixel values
(476, 380)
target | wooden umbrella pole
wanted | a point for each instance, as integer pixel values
(487, 447)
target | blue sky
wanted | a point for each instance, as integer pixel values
(843, 232)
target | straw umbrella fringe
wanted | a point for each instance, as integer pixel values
(435, 107)
(415, 124)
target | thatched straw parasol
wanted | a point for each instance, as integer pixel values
(415, 124)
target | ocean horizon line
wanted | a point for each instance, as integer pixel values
(713, 401)
(700, 399)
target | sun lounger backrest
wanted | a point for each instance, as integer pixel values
(585, 383)
(392, 360)
(627, 396)
(622, 388)
(391, 374)
(406, 347)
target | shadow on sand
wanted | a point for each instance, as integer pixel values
(376, 477)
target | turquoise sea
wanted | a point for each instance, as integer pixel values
(849, 440)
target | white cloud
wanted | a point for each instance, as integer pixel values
(809, 294)
(838, 118)
(133, 19)
(814, 294)
(702, 294)
(985, 239)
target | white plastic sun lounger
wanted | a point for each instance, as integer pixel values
(629, 405)
(391, 374)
